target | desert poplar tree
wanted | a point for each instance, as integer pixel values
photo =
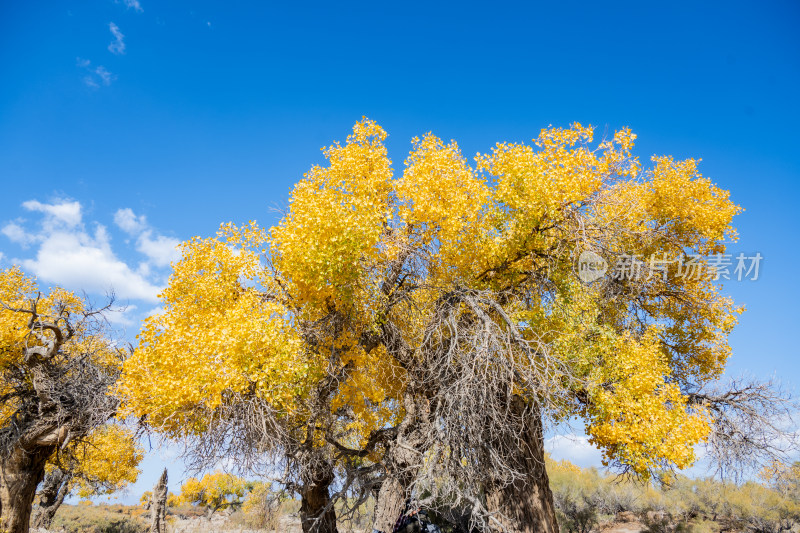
(57, 366)
(415, 334)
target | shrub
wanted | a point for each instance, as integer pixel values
(96, 519)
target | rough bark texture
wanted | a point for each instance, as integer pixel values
(158, 507)
(317, 515)
(20, 473)
(525, 505)
(51, 496)
(402, 461)
(390, 503)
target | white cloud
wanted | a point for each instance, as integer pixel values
(62, 213)
(71, 256)
(122, 316)
(132, 4)
(159, 249)
(155, 311)
(80, 260)
(17, 234)
(128, 222)
(574, 448)
(105, 76)
(117, 46)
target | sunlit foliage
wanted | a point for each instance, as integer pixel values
(241, 308)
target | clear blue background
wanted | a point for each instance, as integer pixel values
(215, 110)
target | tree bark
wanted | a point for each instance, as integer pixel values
(51, 496)
(20, 473)
(317, 515)
(158, 507)
(524, 505)
(402, 461)
(390, 503)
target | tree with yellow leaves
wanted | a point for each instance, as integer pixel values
(56, 368)
(414, 334)
(215, 491)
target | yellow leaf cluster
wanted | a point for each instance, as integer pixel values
(104, 462)
(637, 416)
(337, 215)
(216, 334)
(214, 491)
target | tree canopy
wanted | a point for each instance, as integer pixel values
(441, 311)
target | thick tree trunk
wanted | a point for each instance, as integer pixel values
(20, 473)
(402, 461)
(390, 503)
(51, 496)
(316, 513)
(525, 505)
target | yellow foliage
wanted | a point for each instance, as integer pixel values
(214, 491)
(513, 222)
(636, 415)
(182, 363)
(336, 218)
(104, 462)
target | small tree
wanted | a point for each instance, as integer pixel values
(262, 506)
(215, 491)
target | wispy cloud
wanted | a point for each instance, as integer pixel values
(96, 75)
(132, 4)
(117, 46)
(105, 76)
(17, 234)
(159, 249)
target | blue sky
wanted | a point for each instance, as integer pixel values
(128, 126)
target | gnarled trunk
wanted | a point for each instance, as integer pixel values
(20, 473)
(51, 496)
(390, 503)
(402, 461)
(524, 505)
(317, 515)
